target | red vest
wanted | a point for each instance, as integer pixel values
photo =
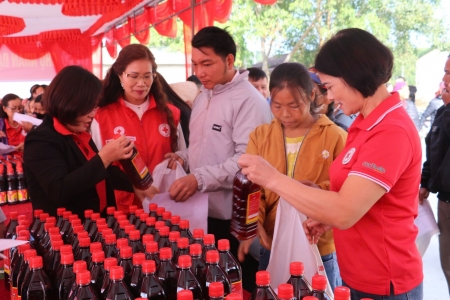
(151, 135)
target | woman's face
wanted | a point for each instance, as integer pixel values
(345, 97)
(82, 122)
(12, 107)
(137, 80)
(38, 91)
(38, 108)
(287, 111)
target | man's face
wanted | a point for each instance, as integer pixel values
(211, 68)
(262, 86)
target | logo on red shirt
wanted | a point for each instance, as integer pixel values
(164, 130)
(348, 156)
(119, 130)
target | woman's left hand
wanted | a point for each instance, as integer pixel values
(150, 193)
(314, 230)
(257, 169)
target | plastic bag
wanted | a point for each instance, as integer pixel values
(426, 223)
(195, 209)
(291, 244)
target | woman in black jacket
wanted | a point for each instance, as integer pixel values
(62, 165)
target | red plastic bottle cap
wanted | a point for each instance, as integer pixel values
(164, 231)
(66, 249)
(123, 223)
(151, 247)
(138, 259)
(143, 217)
(22, 217)
(28, 254)
(83, 277)
(110, 210)
(116, 273)
(118, 213)
(21, 227)
(67, 259)
(77, 229)
(341, 293)
(296, 268)
(94, 247)
(135, 235)
(55, 237)
(139, 211)
(88, 213)
(14, 214)
(59, 211)
(42, 217)
(24, 223)
(195, 249)
(167, 215)
(37, 213)
(36, 262)
(147, 238)
(101, 221)
(152, 206)
(25, 234)
(95, 217)
(184, 224)
(50, 220)
(159, 224)
(184, 261)
(285, 291)
(160, 210)
(23, 248)
(101, 227)
(106, 231)
(67, 214)
(110, 239)
(140, 298)
(122, 218)
(98, 256)
(132, 209)
(165, 253)
(312, 298)
(174, 236)
(198, 233)
(215, 290)
(223, 245)
(56, 245)
(82, 234)
(212, 256)
(319, 282)
(209, 239)
(126, 252)
(175, 220)
(128, 228)
(235, 296)
(84, 241)
(79, 265)
(48, 226)
(148, 266)
(150, 221)
(122, 242)
(185, 295)
(75, 222)
(110, 262)
(182, 243)
(262, 278)
(73, 217)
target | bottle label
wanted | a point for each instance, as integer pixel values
(236, 287)
(253, 207)
(22, 195)
(6, 262)
(12, 196)
(3, 197)
(140, 166)
(14, 293)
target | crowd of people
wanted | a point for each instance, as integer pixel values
(332, 140)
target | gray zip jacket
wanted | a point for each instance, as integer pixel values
(221, 122)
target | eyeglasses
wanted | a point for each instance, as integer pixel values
(135, 77)
(14, 108)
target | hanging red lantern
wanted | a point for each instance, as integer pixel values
(10, 25)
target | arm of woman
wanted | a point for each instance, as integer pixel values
(360, 190)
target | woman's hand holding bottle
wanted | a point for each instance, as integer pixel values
(117, 149)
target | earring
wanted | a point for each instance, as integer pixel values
(121, 84)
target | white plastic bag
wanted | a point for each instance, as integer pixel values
(426, 223)
(291, 244)
(195, 209)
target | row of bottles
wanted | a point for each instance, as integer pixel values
(13, 189)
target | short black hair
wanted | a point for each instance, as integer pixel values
(38, 99)
(412, 93)
(194, 79)
(74, 92)
(357, 57)
(216, 38)
(255, 74)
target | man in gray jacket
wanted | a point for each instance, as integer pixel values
(224, 114)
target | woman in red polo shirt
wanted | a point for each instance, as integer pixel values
(373, 196)
(11, 132)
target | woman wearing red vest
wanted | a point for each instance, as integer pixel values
(61, 163)
(133, 104)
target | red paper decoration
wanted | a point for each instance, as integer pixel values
(10, 25)
(64, 35)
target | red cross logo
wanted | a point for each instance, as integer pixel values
(164, 130)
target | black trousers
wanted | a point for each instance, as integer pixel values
(221, 230)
